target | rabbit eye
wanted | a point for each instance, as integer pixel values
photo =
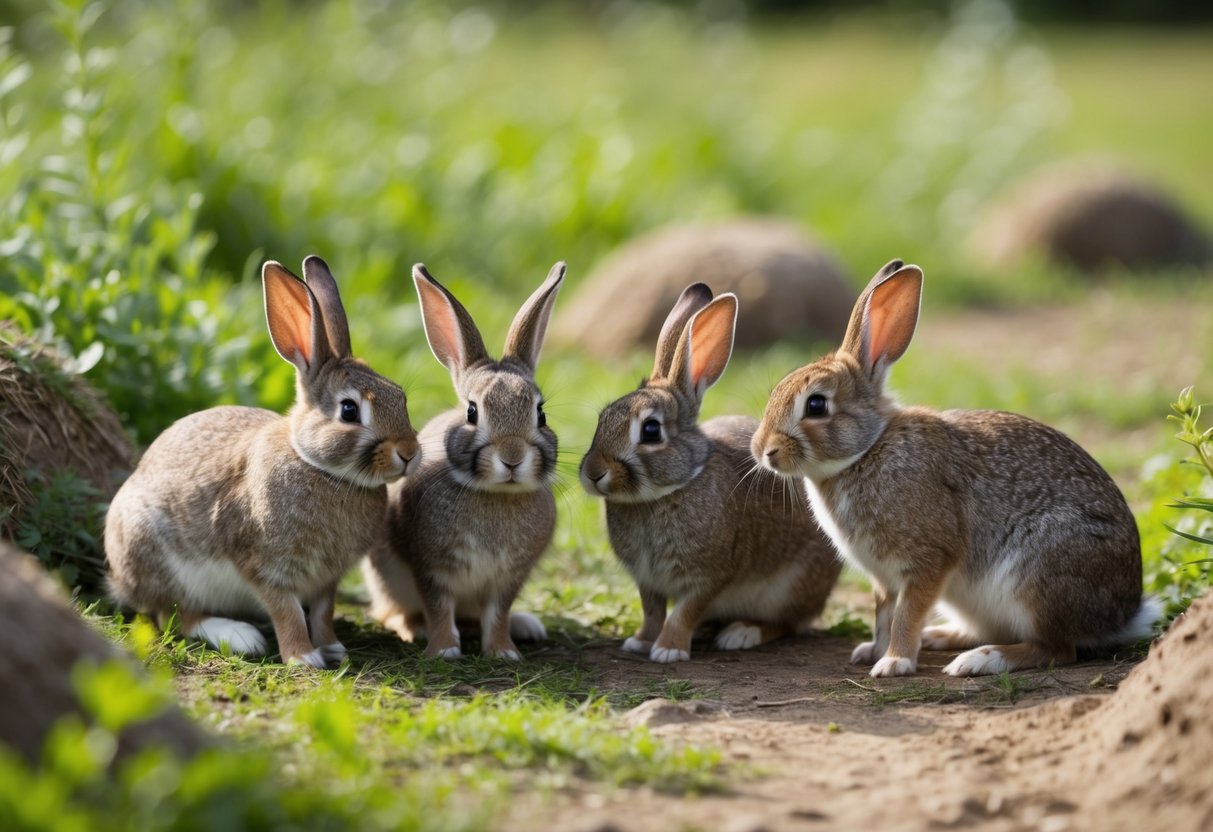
(816, 407)
(650, 432)
(541, 416)
(473, 414)
(349, 411)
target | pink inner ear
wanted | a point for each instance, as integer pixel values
(289, 311)
(441, 328)
(711, 344)
(891, 318)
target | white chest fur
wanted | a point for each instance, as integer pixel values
(837, 518)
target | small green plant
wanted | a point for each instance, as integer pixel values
(61, 525)
(1187, 414)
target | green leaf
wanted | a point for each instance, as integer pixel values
(1193, 537)
(1202, 503)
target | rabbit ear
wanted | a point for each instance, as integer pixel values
(693, 298)
(525, 338)
(453, 336)
(884, 317)
(704, 350)
(294, 317)
(324, 287)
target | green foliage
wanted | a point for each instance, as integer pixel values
(61, 525)
(101, 258)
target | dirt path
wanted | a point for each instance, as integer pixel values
(820, 745)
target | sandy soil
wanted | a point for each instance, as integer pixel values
(816, 744)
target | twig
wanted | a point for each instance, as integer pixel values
(783, 702)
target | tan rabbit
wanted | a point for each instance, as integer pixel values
(1021, 538)
(237, 512)
(690, 515)
(465, 532)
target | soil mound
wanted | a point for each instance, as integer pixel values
(42, 640)
(788, 286)
(1091, 216)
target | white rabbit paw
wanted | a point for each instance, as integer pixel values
(334, 653)
(982, 661)
(894, 666)
(668, 655)
(313, 659)
(449, 653)
(739, 636)
(509, 654)
(864, 653)
(239, 636)
(635, 645)
(526, 627)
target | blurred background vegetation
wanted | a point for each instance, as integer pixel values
(153, 154)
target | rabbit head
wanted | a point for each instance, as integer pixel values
(823, 417)
(648, 444)
(348, 420)
(501, 442)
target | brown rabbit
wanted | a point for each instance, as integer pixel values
(236, 512)
(690, 515)
(1023, 540)
(465, 532)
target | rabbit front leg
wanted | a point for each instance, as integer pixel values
(443, 635)
(915, 601)
(653, 603)
(871, 652)
(290, 627)
(320, 622)
(495, 630)
(674, 642)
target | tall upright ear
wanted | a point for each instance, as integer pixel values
(525, 338)
(324, 287)
(884, 318)
(294, 317)
(706, 345)
(452, 335)
(693, 298)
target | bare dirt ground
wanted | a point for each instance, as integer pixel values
(814, 743)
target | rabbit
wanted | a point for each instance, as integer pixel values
(237, 512)
(466, 530)
(1023, 540)
(684, 516)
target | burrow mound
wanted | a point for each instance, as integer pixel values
(1091, 215)
(788, 286)
(42, 642)
(53, 422)
(1156, 731)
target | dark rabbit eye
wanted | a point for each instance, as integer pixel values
(816, 407)
(541, 416)
(349, 411)
(650, 432)
(473, 414)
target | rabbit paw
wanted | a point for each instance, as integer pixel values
(313, 659)
(509, 654)
(980, 662)
(864, 653)
(526, 627)
(635, 645)
(240, 636)
(448, 653)
(668, 655)
(334, 653)
(739, 636)
(894, 666)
